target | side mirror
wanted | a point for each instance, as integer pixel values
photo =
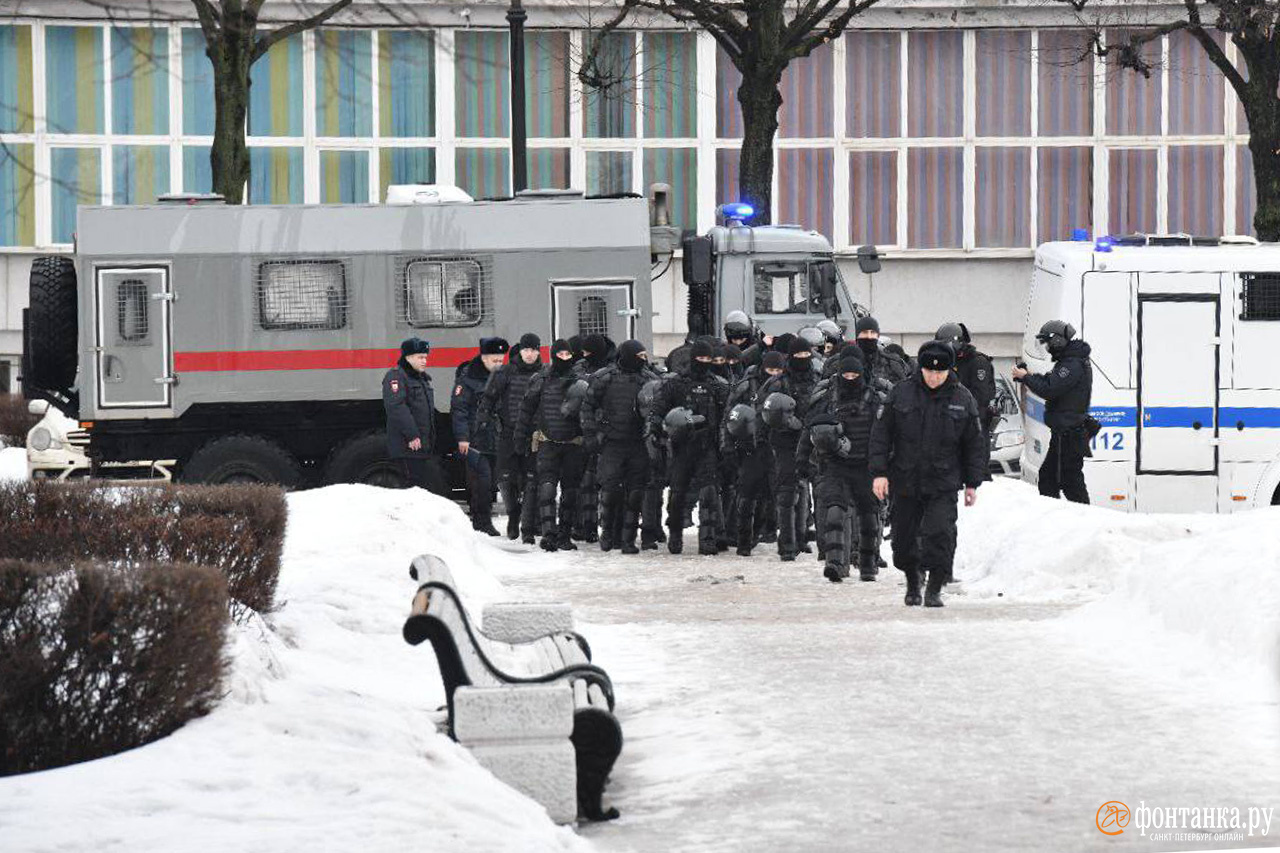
(869, 259)
(38, 407)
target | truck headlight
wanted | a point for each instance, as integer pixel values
(1010, 438)
(40, 439)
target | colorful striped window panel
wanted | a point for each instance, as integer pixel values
(16, 110)
(197, 86)
(611, 109)
(1002, 213)
(935, 198)
(275, 175)
(1246, 191)
(482, 84)
(728, 110)
(1195, 189)
(1133, 191)
(549, 168)
(1064, 192)
(139, 80)
(806, 180)
(807, 94)
(873, 198)
(77, 179)
(344, 83)
(546, 87)
(727, 160)
(1065, 79)
(935, 84)
(1196, 96)
(1133, 101)
(344, 177)
(197, 171)
(609, 172)
(17, 195)
(405, 166)
(679, 168)
(275, 91)
(73, 79)
(873, 84)
(406, 84)
(1004, 98)
(670, 85)
(139, 173)
(484, 172)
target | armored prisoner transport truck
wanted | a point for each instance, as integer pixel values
(248, 343)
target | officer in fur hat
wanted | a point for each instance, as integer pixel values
(410, 406)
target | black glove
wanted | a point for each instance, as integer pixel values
(591, 443)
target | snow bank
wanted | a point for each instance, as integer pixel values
(326, 740)
(1204, 588)
(13, 463)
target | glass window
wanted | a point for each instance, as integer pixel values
(679, 168)
(73, 79)
(344, 92)
(670, 90)
(935, 198)
(1196, 97)
(275, 91)
(197, 171)
(546, 88)
(139, 80)
(405, 166)
(727, 160)
(482, 83)
(1066, 83)
(275, 176)
(139, 173)
(608, 172)
(484, 172)
(16, 110)
(1002, 218)
(1133, 191)
(344, 177)
(17, 191)
(611, 106)
(806, 96)
(296, 295)
(935, 92)
(197, 86)
(806, 181)
(1133, 101)
(873, 84)
(1195, 189)
(593, 316)
(77, 179)
(406, 83)
(1245, 190)
(1004, 96)
(781, 287)
(728, 111)
(444, 292)
(873, 198)
(549, 168)
(132, 318)
(1065, 191)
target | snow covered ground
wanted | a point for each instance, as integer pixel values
(13, 463)
(1089, 656)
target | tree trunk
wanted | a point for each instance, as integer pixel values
(229, 156)
(760, 99)
(1266, 182)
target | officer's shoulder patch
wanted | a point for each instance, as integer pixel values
(395, 386)
(1063, 372)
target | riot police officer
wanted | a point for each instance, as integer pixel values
(477, 441)
(882, 362)
(1066, 390)
(975, 371)
(500, 405)
(745, 443)
(784, 418)
(409, 403)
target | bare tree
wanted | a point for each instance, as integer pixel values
(761, 38)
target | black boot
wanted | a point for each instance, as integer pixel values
(631, 521)
(786, 530)
(745, 512)
(867, 569)
(675, 540)
(484, 525)
(511, 500)
(913, 588)
(609, 518)
(708, 521)
(933, 592)
(833, 574)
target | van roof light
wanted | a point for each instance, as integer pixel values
(735, 211)
(1102, 244)
(1080, 235)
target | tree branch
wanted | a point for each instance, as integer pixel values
(834, 28)
(265, 42)
(1214, 50)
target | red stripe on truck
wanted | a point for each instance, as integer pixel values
(314, 359)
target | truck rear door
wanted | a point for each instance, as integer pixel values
(134, 360)
(593, 306)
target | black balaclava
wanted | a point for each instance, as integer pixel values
(561, 366)
(575, 347)
(596, 351)
(629, 356)
(782, 343)
(868, 346)
(799, 366)
(700, 369)
(851, 362)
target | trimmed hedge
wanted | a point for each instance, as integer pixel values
(96, 659)
(15, 420)
(236, 529)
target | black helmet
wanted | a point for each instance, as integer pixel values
(741, 423)
(573, 398)
(737, 325)
(680, 421)
(955, 333)
(1055, 334)
(779, 412)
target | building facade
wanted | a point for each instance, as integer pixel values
(956, 138)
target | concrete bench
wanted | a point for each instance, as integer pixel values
(522, 694)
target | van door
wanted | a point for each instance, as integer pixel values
(593, 307)
(1178, 350)
(134, 352)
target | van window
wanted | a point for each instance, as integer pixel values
(781, 287)
(1259, 296)
(302, 295)
(593, 316)
(444, 292)
(133, 319)
(1044, 303)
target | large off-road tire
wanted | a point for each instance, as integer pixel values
(51, 334)
(364, 459)
(242, 459)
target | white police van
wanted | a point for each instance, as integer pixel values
(1185, 334)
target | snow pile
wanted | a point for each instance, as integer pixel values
(327, 739)
(13, 463)
(1207, 586)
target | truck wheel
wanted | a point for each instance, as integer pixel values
(364, 459)
(242, 459)
(52, 323)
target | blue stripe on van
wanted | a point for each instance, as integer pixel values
(1155, 417)
(1160, 417)
(1255, 417)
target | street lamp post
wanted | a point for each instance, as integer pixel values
(516, 17)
